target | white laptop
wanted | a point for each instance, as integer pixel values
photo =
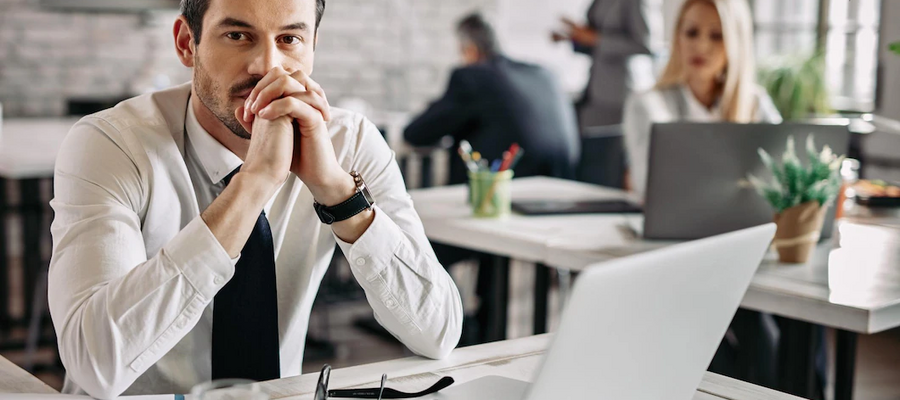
(641, 327)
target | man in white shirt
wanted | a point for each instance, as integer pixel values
(194, 225)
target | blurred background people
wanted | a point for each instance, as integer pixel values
(616, 31)
(710, 77)
(493, 101)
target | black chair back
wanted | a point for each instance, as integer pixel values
(603, 160)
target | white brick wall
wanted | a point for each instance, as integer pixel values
(395, 54)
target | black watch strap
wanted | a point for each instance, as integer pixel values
(349, 208)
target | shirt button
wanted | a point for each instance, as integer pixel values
(390, 304)
(360, 261)
(219, 280)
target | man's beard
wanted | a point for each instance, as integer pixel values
(206, 91)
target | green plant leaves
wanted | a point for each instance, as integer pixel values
(797, 86)
(895, 47)
(793, 184)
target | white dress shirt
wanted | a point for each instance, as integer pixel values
(135, 269)
(642, 110)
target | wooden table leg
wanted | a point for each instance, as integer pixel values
(541, 294)
(845, 364)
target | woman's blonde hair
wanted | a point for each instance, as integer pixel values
(738, 99)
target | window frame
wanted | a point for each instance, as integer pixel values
(823, 28)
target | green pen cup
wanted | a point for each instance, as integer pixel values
(489, 193)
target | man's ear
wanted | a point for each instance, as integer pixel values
(184, 42)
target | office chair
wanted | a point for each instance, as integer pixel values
(602, 159)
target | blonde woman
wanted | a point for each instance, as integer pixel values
(710, 77)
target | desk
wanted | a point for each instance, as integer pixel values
(855, 289)
(447, 219)
(517, 359)
(15, 380)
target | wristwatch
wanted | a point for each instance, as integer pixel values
(360, 201)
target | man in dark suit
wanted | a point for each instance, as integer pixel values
(493, 102)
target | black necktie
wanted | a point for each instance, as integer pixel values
(245, 312)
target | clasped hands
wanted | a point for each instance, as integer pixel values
(286, 115)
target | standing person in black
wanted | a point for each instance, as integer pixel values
(493, 102)
(616, 36)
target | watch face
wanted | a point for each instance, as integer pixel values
(361, 185)
(367, 195)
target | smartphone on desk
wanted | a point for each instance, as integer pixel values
(556, 207)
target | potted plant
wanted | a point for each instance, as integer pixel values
(800, 195)
(797, 86)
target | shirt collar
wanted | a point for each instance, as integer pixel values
(698, 111)
(215, 158)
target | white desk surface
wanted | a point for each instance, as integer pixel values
(517, 359)
(28, 146)
(16, 380)
(852, 282)
(856, 287)
(447, 219)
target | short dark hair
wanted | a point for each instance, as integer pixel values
(474, 29)
(194, 10)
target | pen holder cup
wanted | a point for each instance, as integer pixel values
(489, 193)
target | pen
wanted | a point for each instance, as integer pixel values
(381, 391)
(465, 146)
(495, 166)
(513, 149)
(506, 160)
(517, 158)
(467, 159)
(480, 162)
(509, 156)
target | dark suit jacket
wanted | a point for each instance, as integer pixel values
(499, 102)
